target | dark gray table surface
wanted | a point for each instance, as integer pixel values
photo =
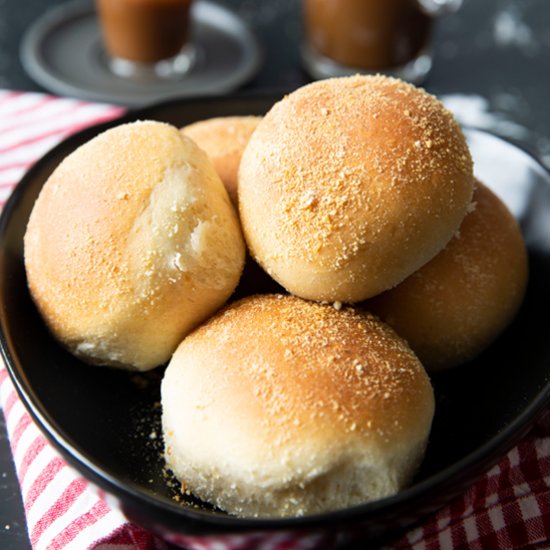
(493, 56)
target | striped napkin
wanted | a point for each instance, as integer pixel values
(509, 507)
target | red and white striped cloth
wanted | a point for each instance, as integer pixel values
(507, 508)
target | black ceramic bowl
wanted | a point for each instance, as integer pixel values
(101, 419)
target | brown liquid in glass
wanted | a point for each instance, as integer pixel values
(144, 31)
(369, 34)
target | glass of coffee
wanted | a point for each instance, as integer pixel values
(344, 37)
(146, 39)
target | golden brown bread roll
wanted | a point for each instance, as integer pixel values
(349, 185)
(224, 140)
(457, 304)
(278, 406)
(131, 243)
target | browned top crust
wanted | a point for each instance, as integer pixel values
(363, 179)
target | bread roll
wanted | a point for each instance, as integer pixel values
(131, 243)
(224, 140)
(349, 185)
(457, 304)
(282, 407)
